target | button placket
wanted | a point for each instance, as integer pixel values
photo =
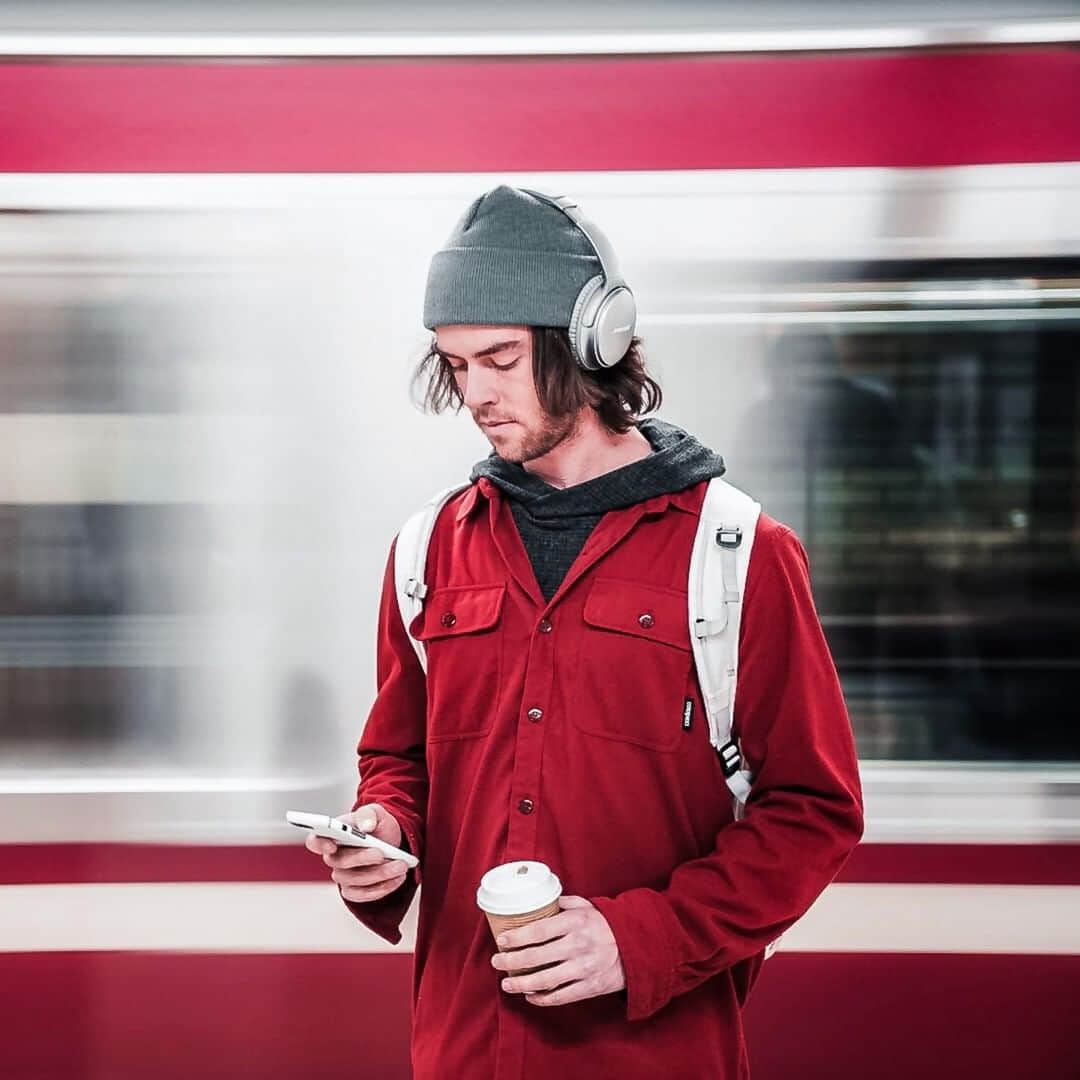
(526, 791)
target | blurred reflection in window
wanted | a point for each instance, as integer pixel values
(119, 352)
(932, 475)
(94, 642)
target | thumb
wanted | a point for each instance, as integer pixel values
(569, 902)
(366, 818)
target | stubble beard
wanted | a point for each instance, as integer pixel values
(537, 442)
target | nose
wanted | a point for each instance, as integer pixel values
(479, 387)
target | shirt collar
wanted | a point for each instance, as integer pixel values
(482, 488)
(688, 500)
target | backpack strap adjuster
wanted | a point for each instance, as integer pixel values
(416, 590)
(730, 758)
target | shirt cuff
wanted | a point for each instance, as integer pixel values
(637, 920)
(383, 917)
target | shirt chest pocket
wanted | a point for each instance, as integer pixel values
(460, 627)
(635, 664)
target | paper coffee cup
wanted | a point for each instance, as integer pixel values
(516, 894)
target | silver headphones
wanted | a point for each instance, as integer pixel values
(602, 322)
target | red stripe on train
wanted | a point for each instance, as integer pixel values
(175, 1015)
(811, 1015)
(465, 115)
(68, 864)
(820, 1016)
(944, 864)
(964, 864)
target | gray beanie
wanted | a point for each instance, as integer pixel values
(511, 260)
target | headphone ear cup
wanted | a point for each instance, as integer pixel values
(613, 326)
(583, 337)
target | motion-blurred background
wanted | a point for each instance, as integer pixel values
(854, 235)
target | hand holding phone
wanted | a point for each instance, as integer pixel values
(345, 834)
(360, 869)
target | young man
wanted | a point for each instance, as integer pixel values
(561, 720)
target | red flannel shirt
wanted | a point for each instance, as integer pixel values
(554, 731)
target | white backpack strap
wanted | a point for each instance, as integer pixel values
(717, 581)
(410, 562)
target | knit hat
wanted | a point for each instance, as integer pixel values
(511, 260)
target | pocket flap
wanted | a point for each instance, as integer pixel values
(646, 611)
(463, 609)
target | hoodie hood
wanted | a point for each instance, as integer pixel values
(678, 461)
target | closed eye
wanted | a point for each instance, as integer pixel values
(458, 368)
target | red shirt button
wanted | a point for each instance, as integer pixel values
(645, 621)
(545, 626)
(526, 806)
(535, 715)
(449, 619)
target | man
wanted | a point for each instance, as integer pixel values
(560, 719)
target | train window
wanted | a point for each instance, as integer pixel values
(102, 605)
(146, 625)
(69, 352)
(922, 440)
(118, 648)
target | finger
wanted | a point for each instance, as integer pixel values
(535, 933)
(543, 981)
(346, 856)
(569, 903)
(319, 844)
(554, 952)
(366, 894)
(365, 818)
(372, 875)
(564, 995)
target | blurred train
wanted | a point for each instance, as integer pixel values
(857, 257)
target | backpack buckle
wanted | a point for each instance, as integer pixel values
(729, 537)
(730, 759)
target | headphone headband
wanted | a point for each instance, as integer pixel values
(609, 264)
(605, 302)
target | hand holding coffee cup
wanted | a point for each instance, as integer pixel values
(516, 894)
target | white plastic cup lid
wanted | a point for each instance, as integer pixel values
(516, 888)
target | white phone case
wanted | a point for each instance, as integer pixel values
(349, 836)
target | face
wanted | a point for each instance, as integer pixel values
(492, 367)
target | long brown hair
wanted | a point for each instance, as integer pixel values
(620, 394)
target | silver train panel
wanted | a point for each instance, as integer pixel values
(207, 443)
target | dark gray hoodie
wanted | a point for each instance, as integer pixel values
(555, 522)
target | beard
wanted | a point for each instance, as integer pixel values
(535, 442)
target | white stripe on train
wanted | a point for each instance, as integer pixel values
(537, 42)
(309, 918)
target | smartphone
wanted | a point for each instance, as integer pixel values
(343, 833)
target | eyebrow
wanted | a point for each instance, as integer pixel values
(489, 351)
